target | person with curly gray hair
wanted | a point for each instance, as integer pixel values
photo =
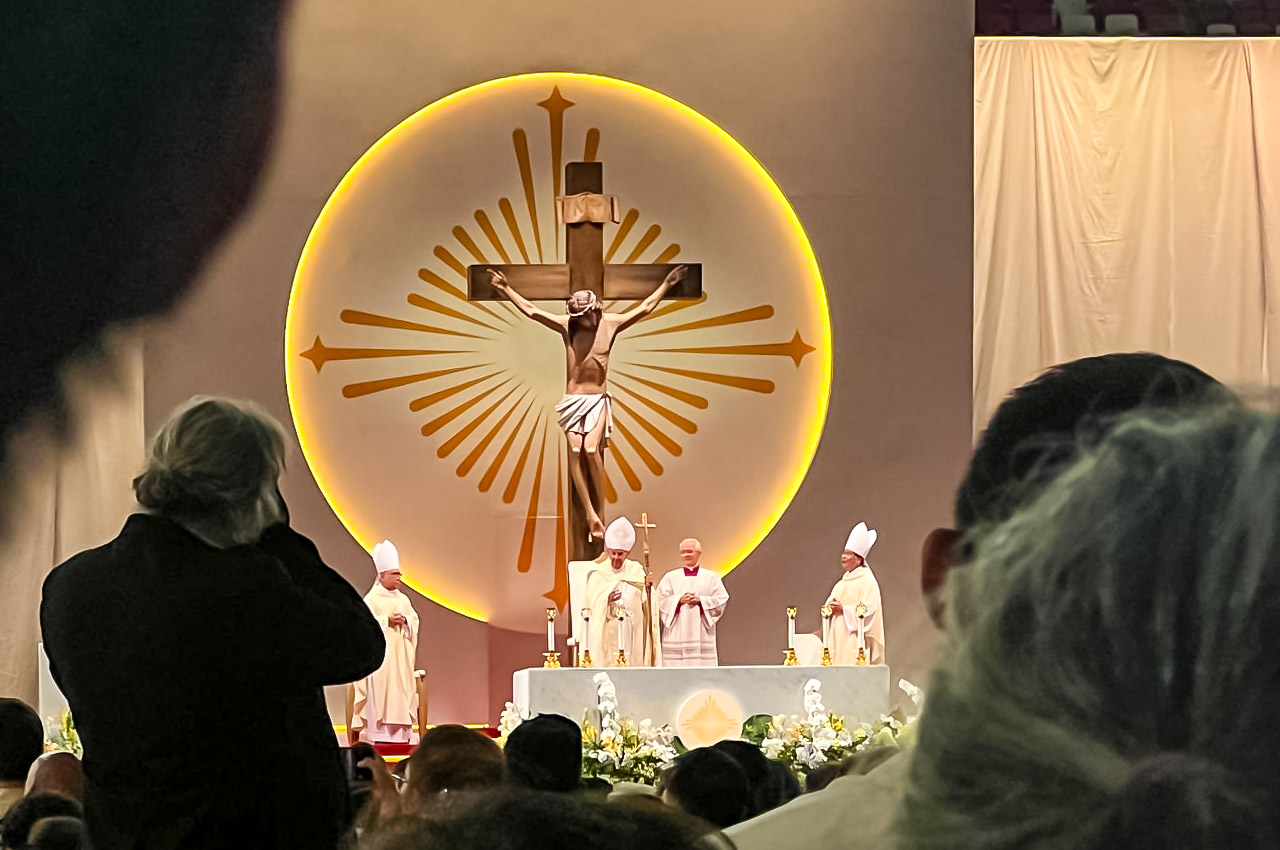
(1112, 664)
(206, 620)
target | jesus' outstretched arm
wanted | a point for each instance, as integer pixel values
(647, 306)
(499, 282)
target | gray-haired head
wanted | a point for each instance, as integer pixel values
(1113, 657)
(214, 468)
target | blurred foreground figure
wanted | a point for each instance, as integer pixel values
(192, 649)
(1113, 656)
(134, 131)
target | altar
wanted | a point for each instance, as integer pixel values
(664, 694)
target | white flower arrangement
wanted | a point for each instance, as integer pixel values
(512, 716)
(619, 749)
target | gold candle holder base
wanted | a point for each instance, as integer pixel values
(789, 659)
(585, 660)
(826, 657)
(622, 659)
(862, 658)
(551, 660)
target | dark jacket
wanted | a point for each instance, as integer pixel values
(194, 673)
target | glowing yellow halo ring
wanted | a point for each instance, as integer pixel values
(744, 158)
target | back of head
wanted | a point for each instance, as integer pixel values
(62, 832)
(711, 785)
(544, 753)
(768, 787)
(516, 819)
(453, 758)
(214, 468)
(15, 830)
(1113, 654)
(21, 739)
(57, 773)
(1037, 430)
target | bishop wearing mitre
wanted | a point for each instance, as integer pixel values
(857, 592)
(623, 612)
(386, 701)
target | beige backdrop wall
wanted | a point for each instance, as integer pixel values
(861, 112)
(1127, 197)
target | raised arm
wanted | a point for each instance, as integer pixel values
(650, 303)
(557, 323)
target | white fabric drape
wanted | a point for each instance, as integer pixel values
(1126, 198)
(75, 496)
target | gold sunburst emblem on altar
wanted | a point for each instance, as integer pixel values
(708, 717)
(427, 418)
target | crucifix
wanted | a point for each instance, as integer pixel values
(583, 283)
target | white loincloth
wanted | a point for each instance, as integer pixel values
(580, 413)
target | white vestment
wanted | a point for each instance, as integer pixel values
(603, 632)
(689, 631)
(857, 586)
(386, 701)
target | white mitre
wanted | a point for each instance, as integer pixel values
(861, 539)
(620, 534)
(386, 557)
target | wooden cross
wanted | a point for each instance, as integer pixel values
(585, 269)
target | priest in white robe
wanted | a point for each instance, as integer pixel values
(386, 702)
(623, 610)
(857, 592)
(691, 601)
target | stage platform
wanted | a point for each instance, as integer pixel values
(658, 693)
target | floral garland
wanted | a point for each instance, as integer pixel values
(619, 749)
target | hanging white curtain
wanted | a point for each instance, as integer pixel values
(1126, 198)
(75, 496)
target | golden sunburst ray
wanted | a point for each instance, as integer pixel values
(453, 413)
(559, 592)
(610, 494)
(473, 456)
(525, 559)
(363, 388)
(320, 354)
(451, 445)
(556, 104)
(359, 317)
(672, 447)
(691, 399)
(423, 402)
(751, 314)
(629, 220)
(509, 216)
(486, 227)
(646, 456)
(681, 422)
(643, 245)
(424, 303)
(755, 385)
(668, 254)
(797, 349)
(628, 474)
(464, 239)
(495, 465)
(445, 256)
(521, 143)
(513, 483)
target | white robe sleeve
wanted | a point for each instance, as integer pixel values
(667, 601)
(713, 603)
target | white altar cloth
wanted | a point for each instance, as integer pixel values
(857, 693)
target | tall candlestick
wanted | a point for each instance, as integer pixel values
(622, 629)
(551, 630)
(791, 628)
(584, 659)
(826, 626)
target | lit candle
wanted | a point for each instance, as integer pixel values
(791, 628)
(551, 630)
(826, 625)
(861, 611)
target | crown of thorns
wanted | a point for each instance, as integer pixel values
(580, 302)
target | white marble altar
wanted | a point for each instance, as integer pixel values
(857, 693)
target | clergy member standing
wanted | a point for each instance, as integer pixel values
(691, 601)
(386, 702)
(857, 587)
(620, 585)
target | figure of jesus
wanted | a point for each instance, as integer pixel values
(584, 411)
